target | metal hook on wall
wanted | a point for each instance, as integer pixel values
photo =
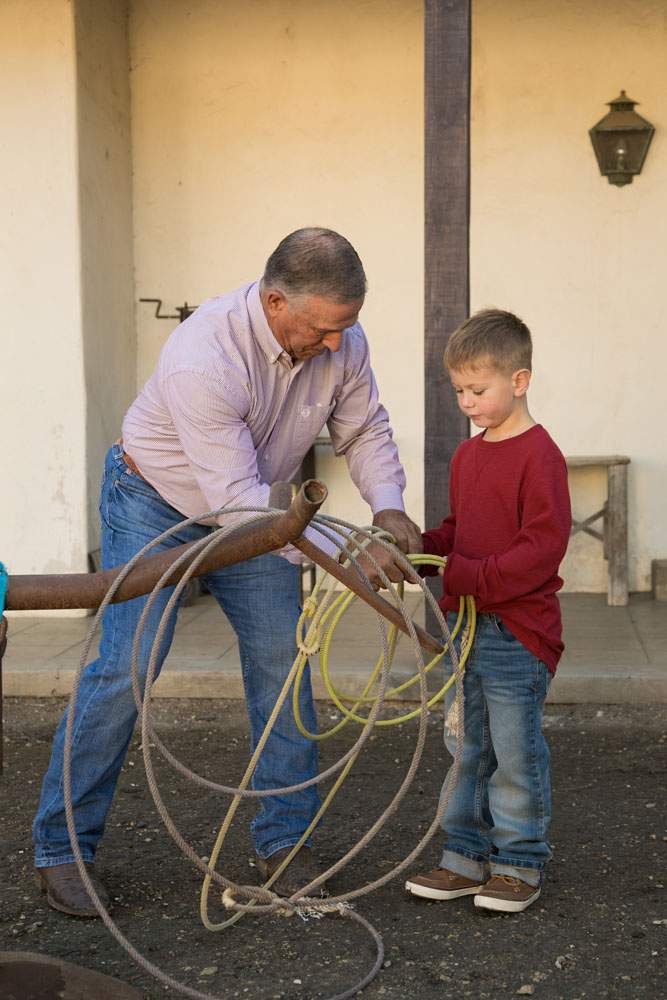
(182, 312)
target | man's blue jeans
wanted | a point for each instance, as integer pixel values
(497, 819)
(260, 599)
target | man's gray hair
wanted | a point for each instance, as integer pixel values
(317, 262)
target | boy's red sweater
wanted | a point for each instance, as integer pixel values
(507, 534)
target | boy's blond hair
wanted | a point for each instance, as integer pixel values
(490, 338)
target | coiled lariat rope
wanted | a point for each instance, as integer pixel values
(324, 615)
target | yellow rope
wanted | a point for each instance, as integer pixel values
(316, 620)
(340, 606)
(297, 667)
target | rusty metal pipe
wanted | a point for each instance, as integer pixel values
(87, 590)
(350, 578)
(353, 582)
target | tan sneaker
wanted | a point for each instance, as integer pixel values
(441, 883)
(507, 894)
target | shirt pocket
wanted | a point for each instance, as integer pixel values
(310, 420)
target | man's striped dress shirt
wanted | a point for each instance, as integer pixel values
(227, 412)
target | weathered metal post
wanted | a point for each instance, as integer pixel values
(87, 590)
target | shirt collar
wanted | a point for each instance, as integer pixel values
(262, 331)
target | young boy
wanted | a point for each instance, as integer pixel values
(504, 539)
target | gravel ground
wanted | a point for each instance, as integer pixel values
(597, 931)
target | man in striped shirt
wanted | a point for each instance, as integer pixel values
(241, 391)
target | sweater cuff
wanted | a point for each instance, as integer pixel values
(430, 548)
(460, 575)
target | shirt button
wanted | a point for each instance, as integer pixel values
(305, 412)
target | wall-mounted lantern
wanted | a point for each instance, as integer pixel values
(621, 140)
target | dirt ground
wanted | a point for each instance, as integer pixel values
(597, 931)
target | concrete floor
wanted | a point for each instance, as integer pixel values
(612, 655)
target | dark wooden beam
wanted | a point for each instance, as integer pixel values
(447, 222)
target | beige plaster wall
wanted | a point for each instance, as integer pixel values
(67, 343)
(43, 499)
(251, 120)
(105, 204)
(582, 261)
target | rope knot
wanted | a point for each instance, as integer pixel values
(309, 607)
(311, 907)
(452, 719)
(285, 909)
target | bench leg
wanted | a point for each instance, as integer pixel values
(617, 535)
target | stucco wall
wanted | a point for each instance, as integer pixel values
(43, 496)
(251, 120)
(582, 261)
(105, 199)
(68, 355)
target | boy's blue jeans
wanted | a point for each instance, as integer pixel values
(260, 598)
(497, 819)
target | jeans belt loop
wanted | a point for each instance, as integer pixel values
(129, 461)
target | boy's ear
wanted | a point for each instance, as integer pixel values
(521, 381)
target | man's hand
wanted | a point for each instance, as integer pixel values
(408, 538)
(406, 532)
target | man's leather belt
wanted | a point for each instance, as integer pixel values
(129, 461)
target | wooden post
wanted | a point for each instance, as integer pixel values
(447, 219)
(617, 535)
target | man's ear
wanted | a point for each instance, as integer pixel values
(275, 303)
(521, 381)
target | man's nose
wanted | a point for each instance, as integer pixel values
(333, 341)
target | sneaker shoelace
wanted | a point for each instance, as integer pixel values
(510, 880)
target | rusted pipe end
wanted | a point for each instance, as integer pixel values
(315, 491)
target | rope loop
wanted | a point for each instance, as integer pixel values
(281, 907)
(323, 615)
(310, 650)
(308, 644)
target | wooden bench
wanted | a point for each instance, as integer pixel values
(614, 514)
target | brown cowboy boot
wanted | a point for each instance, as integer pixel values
(66, 892)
